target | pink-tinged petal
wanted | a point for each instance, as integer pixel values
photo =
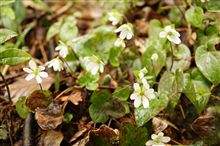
(38, 79)
(168, 28)
(154, 136)
(41, 68)
(43, 74)
(133, 96)
(145, 102)
(29, 77)
(27, 70)
(174, 39)
(137, 102)
(137, 87)
(163, 34)
(165, 139)
(32, 65)
(150, 143)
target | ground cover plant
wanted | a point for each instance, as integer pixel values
(107, 72)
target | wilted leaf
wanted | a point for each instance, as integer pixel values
(22, 87)
(13, 56)
(38, 99)
(6, 34)
(51, 138)
(74, 97)
(49, 118)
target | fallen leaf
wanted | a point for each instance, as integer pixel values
(49, 118)
(75, 97)
(23, 87)
(51, 138)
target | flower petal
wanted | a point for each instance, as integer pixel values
(41, 68)
(168, 28)
(150, 93)
(137, 87)
(133, 96)
(165, 139)
(27, 70)
(29, 77)
(129, 35)
(145, 83)
(123, 35)
(154, 136)
(150, 143)
(163, 34)
(145, 102)
(38, 79)
(43, 74)
(32, 65)
(137, 101)
(161, 134)
(174, 39)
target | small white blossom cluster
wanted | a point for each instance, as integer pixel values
(125, 30)
(171, 34)
(142, 91)
(203, 1)
(93, 64)
(158, 140)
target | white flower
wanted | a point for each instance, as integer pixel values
(63, 50)
(171, 34)
(93, 64)
(142, 94)
(35, 72)
(142, 73)
(119, 42)
(114, 17)
(158, 140)
(154, 57)
(204, 1)
(56, 63)
(125, 31)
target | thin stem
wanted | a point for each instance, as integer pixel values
(41, 87)
(7, 88)
(171, 47)
(67, 64)
(152, 62)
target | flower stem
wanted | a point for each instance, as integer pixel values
(171, 47)
(7, 88)
(41, 87)
(67, 64)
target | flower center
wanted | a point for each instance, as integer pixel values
(170, 33)
(36, 71)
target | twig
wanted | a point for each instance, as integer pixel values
(6, 84)
(27, 131)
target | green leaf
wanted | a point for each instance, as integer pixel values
(6, 34)
(122, 93)
(68, 30)
(194, 16)
(175, 15)
(13, 56)
(114, 56)
(89, 81)
(154, 67)
(6, 2)
(21, 108)
(182, 58)
(8, 12)
(208, 62)
(154, 28)
(20, 11)
(98, 106)
(171, 85)
(131, 135)
(143, 115)
(197, 89)
(54, 29)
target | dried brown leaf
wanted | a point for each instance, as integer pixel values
(50, 117)
(51, 138)
(75, 97)
(23, 88)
